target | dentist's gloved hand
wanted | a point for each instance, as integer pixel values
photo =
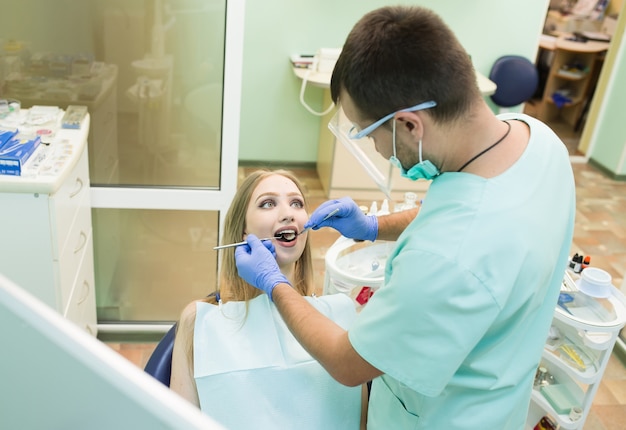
(349, 221)
(256, 264)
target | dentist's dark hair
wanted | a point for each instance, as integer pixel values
(398, 56)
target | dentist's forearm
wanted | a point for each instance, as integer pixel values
(327, 342)
(391, 226)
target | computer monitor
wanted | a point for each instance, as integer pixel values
(55, 376)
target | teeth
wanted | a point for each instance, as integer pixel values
(287, 235)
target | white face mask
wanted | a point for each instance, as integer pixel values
(422, 170)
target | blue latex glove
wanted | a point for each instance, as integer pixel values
(256, 264)
(349, 221)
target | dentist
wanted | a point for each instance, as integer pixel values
(453, 338)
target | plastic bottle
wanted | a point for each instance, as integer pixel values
(384, 208)
(586, 263)
(545, 423)
(373, 208)
(410, 202)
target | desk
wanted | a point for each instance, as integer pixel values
(339, 172)
(578, 86)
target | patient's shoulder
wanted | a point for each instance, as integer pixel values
(187, 321)
(189, 313)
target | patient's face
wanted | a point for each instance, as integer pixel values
(276, 206)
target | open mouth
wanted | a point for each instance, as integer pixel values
(287, 235)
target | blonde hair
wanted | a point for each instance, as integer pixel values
(231, 285)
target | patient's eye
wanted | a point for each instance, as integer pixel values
(297, 203)
(267, 204)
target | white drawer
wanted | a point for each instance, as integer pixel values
(80, 242)
(81, 308)
(65, 202)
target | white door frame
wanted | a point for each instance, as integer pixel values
(193, 198)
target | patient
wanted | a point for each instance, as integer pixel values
(233, 355)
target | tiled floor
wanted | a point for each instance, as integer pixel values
(600, 232)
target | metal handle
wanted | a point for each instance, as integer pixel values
(80, 187)
(81, 244)
(232, 245)
(85, 292)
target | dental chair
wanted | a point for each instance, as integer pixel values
(516, 79)
(159, 364)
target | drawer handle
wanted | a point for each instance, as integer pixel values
(79, 182)
(83, 241)
(85, 293)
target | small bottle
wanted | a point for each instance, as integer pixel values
(384, 208)
(373, 208)
(578, 264)
(586, 262)
(545, 423)
(410, 200)
(541, 377)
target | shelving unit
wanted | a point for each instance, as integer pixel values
(586, 59)
(584, 331)
(45, 223)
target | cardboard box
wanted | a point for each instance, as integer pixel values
(15, 152)
(6, 135)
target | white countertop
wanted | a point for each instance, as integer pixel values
(322, 80)
(560, 42)
(50, 164)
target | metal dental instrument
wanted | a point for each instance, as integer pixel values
(309, 228)
(323, 219)
(231, 245)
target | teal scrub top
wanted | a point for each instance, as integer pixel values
(459, 325)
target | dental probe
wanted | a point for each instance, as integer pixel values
(230, 245)
(290, 237)
(323, 219)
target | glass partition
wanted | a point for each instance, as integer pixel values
(149, 72)
(152, 75)
(152, 263)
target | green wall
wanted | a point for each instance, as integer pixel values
(607, 138)
(275, 127)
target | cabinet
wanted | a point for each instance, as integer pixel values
(573, 72)
(45, 225)
(583, 333)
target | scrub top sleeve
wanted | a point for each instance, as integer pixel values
(419, 327)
